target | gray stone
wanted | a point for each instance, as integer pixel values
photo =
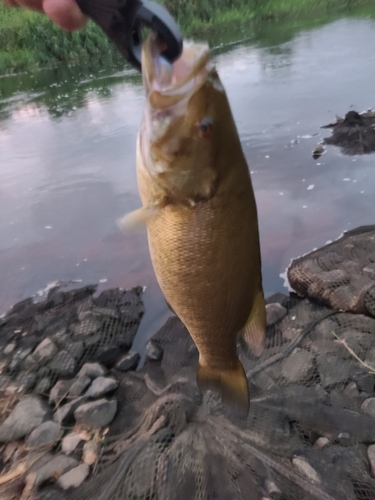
(321, 442)
(18, 358)
(106, 311)
(63, 364)
(299, 365)
(70, 443)
(365, 382)
(25, 382)
(274, 313)
(75, 349)
(60, 391)
(153, 351)
(371, 457)
(46, 434)
(26, 416)
(369, 270)
(96, 414)
(79, 385)
(9, 348)
(128, 362)
(368, 407)
(92, 370)
(55, 467)
(89, 323)
(45, 350)
(64, 414)
(333, 370)
(43, 386)
(101, 386)
(74, 477)
(303, 466)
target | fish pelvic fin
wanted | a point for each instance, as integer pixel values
(253, 334)
(230, 383)
(138, 218)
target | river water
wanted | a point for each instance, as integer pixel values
(67, 158)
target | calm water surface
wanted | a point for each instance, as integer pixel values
(67, 158)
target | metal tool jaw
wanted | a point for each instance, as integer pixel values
(122, 21)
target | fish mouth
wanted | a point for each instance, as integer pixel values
(169, 83)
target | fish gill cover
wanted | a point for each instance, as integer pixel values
(310, 433)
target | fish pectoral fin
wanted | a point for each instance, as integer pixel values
(138, 218)
(230, 383)
(253, 334)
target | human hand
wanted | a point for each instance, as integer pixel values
(65, 13)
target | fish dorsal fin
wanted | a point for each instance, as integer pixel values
(253, 334)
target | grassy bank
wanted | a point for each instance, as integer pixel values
(29, 40)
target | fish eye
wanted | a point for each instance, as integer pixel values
(205, 127)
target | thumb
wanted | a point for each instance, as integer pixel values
(65, 13)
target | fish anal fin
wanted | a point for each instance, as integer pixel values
(254, 332)
(138, 218)
(230, 383)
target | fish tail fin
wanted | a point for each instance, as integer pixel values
(230, 383)
(140, 217)
(253, 334)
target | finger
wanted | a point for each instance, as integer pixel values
(28, 4)
(65, 13)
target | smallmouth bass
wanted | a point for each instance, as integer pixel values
(201, 216)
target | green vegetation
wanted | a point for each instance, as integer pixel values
(29, 40)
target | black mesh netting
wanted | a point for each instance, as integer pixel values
(310, 433)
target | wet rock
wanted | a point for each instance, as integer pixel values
(60, 391)
(101, 386)
(368, 407)
(26, 416)
(64, 414)
(89, 323)
(274, 312)
(45, 350)
(79, 385)
(92, 370)
(9, 348)
(321, 442)
(153, 351)
(74, 477)
(318, 151)
(55, 467)
(371, 457)
(45, 434)
(63, 364)
(96, 414)
(299, 365)
(25, 382)
(128, 362)
(303, 466)
(43, 386)
(70, 443)
(333, 371)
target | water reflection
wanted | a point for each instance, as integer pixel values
(67, 142)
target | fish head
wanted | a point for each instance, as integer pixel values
(183, 121)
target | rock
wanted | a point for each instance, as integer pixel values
(333, 370)
(272, 489)
(321, 442)
(92, 370)
(128, 362)
(371, 457)
(365, 382)
(299, 365)
(60, 391)
(45, 434)
(74, 477)
(108, 355)
(306, 469)
(368, 407)
(101, 386)
(344, 439)
(18, 358)
(63, 364)
(9, 348)
(96, 414)
(90, 452)
(70, 443)
(45, 350)
(274, 312)
(89, 323)
(25, 381)
(75, 349)
(64, 414)
(26, 416)
(80, 384)
(43, 386)
(55, 467)
(153, 351)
